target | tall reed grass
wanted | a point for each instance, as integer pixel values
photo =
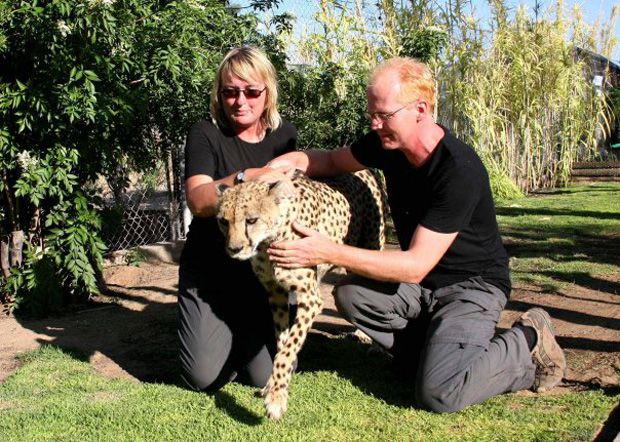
(523, 94)
(518, 88)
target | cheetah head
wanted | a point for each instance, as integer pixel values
(251, 213)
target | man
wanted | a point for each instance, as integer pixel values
(452, 268)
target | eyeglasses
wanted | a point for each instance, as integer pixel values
(250, 92)
(385, 116)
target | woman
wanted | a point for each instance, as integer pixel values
(225, 326)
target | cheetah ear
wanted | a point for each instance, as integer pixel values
(281, 190)
(297, 173)
(220, 189)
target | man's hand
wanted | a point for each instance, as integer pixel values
(310, 250)
(266, 174)
(289, 162)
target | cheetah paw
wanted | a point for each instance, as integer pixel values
(276, 403)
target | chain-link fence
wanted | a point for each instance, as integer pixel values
(143, 218)
(150, 210)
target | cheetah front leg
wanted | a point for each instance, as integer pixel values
(309, 305)
(278, 302)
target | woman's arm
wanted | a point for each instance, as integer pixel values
(201, 194)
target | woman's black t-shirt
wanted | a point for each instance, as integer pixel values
(449, 193)
(216, 153)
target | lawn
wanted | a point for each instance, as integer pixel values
(342, 392)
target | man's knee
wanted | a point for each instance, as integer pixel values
(345, 297)
(438, 399)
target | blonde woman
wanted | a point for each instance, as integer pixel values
(225, 324)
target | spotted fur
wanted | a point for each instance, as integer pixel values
(348, 209)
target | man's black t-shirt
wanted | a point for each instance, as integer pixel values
(449, 193)
(216, 153)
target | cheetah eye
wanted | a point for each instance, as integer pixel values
(251, 220)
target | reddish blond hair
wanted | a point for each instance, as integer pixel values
(416, 79)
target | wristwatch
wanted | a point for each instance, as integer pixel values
(240, 178)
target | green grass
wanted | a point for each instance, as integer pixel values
(341, 393)
(56, 396)
(569, 236)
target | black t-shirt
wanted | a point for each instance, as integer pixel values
(216, 153)
(449, 193)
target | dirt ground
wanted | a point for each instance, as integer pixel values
(131, 332)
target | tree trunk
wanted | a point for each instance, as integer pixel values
(16, 241)
(4, 258)
(173, 209)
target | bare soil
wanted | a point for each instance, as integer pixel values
(131, 332)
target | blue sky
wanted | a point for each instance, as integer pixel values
(592, 10)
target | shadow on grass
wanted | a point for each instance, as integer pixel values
(530, 211)
(569, 315)
(141, 343)
(226, 402)
(370, 371)
(584, 279)
(599, 187)
(538, 243)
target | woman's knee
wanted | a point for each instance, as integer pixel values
(205, 380)
(204, 377)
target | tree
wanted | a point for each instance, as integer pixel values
(87, 88)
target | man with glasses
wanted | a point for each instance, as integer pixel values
(434, 304)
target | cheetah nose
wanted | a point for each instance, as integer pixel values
(233, 250)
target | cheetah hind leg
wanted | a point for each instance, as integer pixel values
(276, 398)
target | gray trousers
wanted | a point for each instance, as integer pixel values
(225, 329)
(446, 335)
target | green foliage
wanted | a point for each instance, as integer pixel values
(325, 96)
(327, 104)
(613, 98)
(135, 257)
(95, 88)
(424, 44)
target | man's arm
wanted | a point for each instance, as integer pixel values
(318, 163)
(411, 266)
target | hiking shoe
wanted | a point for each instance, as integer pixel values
(546, 354)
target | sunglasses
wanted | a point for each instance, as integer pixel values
(234, 92)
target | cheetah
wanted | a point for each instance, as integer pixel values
(349, 209)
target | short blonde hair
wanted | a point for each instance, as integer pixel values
(248, 63)
(416, 79)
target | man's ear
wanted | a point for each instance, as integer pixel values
(220, 189)
(422, 108)
(281, 190)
